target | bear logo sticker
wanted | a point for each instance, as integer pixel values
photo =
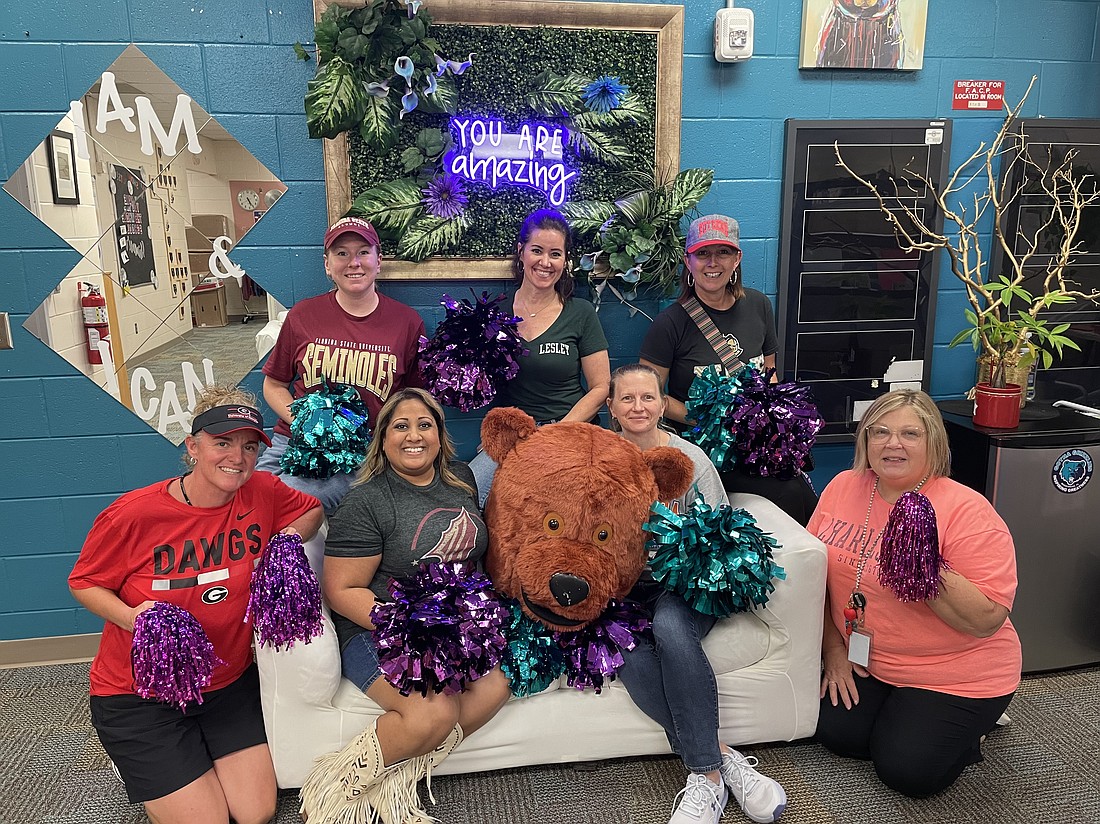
(1072, 471)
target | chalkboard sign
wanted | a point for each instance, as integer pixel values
(855, 309)
(135, 249)
(1075, 375)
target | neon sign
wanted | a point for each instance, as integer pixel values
(531, 157)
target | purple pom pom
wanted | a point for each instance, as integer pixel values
(443, 629)
(285, 598)
(473, 353)
(592, 654)
(172, 657)
(774, 425)
(909, 557)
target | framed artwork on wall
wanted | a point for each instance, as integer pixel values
(863, 34)
(61, 156)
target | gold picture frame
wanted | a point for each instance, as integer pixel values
(667, 22)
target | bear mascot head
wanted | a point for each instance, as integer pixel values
(565, 513)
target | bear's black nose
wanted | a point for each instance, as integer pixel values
(568, 589)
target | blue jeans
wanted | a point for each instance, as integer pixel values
(672, 682)
(330, 491)
(359, 661)
(484, 469)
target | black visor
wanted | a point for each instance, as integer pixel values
(221, 420)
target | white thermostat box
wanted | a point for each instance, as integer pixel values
(733, 35)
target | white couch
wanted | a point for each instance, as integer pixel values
(767, 664)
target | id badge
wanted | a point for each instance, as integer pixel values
(859, 647)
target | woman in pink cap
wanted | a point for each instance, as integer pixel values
(352, 335)
(713, 297)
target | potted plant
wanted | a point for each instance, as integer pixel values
(1008, 319)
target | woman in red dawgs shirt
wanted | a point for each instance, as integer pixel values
(191, 541)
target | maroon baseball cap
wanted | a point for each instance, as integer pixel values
(713, 230)
(221, 420)
(353, 225)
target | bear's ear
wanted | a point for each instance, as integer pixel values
(672, 469)
(502, 428)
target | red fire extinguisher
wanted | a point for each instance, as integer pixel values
(94, 308)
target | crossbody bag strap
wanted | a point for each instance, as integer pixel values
(715, 338)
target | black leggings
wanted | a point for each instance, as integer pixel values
(920, 741)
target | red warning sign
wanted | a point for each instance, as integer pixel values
(987, 95)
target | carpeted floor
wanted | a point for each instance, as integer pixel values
(1044, 767)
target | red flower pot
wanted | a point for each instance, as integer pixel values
(997, 408)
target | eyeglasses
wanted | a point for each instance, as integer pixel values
(909, 436)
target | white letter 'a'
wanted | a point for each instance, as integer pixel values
(108, 94)
(181, 118)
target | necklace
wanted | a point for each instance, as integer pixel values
(530, 314)
(854, 613)
(183, 492)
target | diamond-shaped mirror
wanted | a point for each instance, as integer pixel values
(152, 192)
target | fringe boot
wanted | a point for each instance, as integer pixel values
(395, 795)
(341, 787)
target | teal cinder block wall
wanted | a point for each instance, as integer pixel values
(67, 450)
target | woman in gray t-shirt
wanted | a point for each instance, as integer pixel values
(412, 503)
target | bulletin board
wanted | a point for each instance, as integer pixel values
(856, 312)
(134, 245)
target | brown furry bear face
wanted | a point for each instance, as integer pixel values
(565, 513)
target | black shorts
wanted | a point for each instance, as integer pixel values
(159, 749)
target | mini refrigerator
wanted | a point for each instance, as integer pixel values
(1039, 478)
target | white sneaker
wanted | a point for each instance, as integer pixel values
(699, 801)
(762, 798)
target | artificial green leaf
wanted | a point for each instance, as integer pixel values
(445, 98)
(631, 110)
(392, 205)
(377, 126)
(301, 53)
(636, 207)
(412, 159)
(431, 44)
(324, 35)
(385, 46)
(335, 100)
(621, 261)
(430, 235)
(587, 216)
(430, 141)
(689, 187)
(352, 44)
(600, 147)
(555, 95)
(405, 31)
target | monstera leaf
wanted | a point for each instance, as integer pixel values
(390, 205)
(335, 100)
(429, 235)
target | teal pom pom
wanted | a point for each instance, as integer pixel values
(718, 560)
(329, 433)
(532, 660)
(710, 400)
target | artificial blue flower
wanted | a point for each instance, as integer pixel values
(587, 262)
(433, 85)
(632, 275)
(409, 101)
(377, 89)
(442, 66)
(412, 7)
(445, 196)
(404, 67)
(605, 93)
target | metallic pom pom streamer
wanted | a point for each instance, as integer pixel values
(532, 660)
(329, 433)
(909, 560)
(473, 353)
(592, 654)
(443, 628)
(718, 560)
(774, 425)
(171, 655)
(710, 397)
(285, 598)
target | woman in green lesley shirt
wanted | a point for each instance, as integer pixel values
(563, 336)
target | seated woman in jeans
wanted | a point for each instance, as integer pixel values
(411, 504)
(671, 680)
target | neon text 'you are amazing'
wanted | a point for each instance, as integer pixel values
(532, 157)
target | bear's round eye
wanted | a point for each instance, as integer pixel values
(602, 534)
(552, 523)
